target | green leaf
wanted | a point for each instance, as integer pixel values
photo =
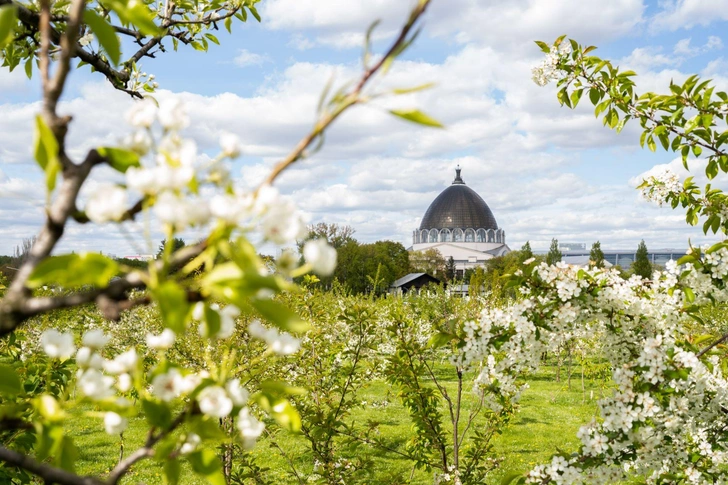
(544, 46)
(137, 13)
(255, 13)
(206, 464)
(105, 34)
(421, 87)
(156, 413)
(171, 472)
(173, 305)
(72, 270)
(213, 38)
(119, 159)
(9, 381)
(29, 68)
(509, 478)
(441, 339)
(46, 152)
(229, 24)
(8, 22)
(287, 416)
(417, 116)
(279, 315)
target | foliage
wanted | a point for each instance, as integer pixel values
(596, 256)
(429, 261)
(450, 272)
(175, 245)
(642, 266)
(554, 255)
(526, 251)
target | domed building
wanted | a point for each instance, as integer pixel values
(459, 224)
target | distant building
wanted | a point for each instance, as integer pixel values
(624, 257)
(413, 281)
(572, 246)
(459, 224)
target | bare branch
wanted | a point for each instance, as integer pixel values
(713, 345)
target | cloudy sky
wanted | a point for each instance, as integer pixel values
(545, 171)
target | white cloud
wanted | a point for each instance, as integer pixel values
(246, 58)
(686, 14)
(684, 48)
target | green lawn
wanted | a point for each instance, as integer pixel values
(548, 419)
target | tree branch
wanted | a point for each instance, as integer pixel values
(49, 473)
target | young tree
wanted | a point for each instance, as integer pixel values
(596, 256)
(176, 244)
(450, 269)
(554, 255)
(642, 265)
(526, 252)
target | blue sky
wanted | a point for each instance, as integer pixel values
(545, 171)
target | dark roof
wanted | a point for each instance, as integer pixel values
(458, 206)
(410, 278)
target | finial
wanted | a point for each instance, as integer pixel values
(458, 180)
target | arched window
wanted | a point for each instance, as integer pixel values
(469, 235)
(491, 235)
(445, 235)
(423, 236)
(457, 235)
(480, 235)
(433, 235)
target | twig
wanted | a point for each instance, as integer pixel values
(711, 346)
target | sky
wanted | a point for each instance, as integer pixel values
(545, 171)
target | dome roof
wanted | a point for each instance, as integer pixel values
(458, 206)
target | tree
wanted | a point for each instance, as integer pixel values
(526, 252)
(596, 256)
(554, 255)
(335, 234)
(170, 395)
(450, 269)
(642, 265)
(430, 261)
(176, 245)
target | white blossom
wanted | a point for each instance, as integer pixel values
(191, 443)
(95, 339)
(93, 384)
(249, 427)
(321, 256)
(167, 386)
(173, 115)
(109, 202)
(163, 341)
(142, 114)
(237, 393)
(230, 145)
(114, 424)
(125, 362)
(214, 401)
(57, 345)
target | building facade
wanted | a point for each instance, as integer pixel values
(459, 224)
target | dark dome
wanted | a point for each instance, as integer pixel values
(458, 206)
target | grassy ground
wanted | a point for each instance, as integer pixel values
(548, 419)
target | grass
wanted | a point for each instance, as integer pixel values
(548, 419)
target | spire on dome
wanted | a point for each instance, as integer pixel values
(458, 180)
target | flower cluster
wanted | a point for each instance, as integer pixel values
(549, 69)
(662, 187)
(281, 343)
